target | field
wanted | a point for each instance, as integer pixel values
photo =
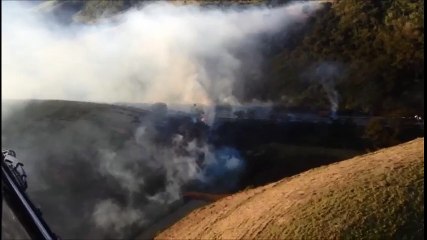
(379, 195)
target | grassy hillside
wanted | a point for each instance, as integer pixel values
(19, 116)
(375, 196)
(59, 143)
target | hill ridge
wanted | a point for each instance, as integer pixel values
(384, 187)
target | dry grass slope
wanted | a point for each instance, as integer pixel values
(375, 196)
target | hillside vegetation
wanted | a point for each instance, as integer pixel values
(377, 47)
(374, 196)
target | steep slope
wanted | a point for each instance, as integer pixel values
(370, 53)
(60, 145)
(377, 195)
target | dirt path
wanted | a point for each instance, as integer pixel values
(248, 214)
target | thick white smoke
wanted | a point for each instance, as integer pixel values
(161, 52)
(176, 169)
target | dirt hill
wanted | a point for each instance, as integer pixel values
(378, 195)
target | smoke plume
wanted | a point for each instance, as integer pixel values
(102, 176)
(160, 52)
(327, 74)
(99, 176)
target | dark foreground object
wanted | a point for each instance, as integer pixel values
(13, 187)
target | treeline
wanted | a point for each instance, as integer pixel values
(376, 49)
(88, 11)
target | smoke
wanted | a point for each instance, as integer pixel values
(103, 175)
(108, 215)
(161, 52)
(97, 174)
(327, 74)
(176, 165)
(114, 166)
